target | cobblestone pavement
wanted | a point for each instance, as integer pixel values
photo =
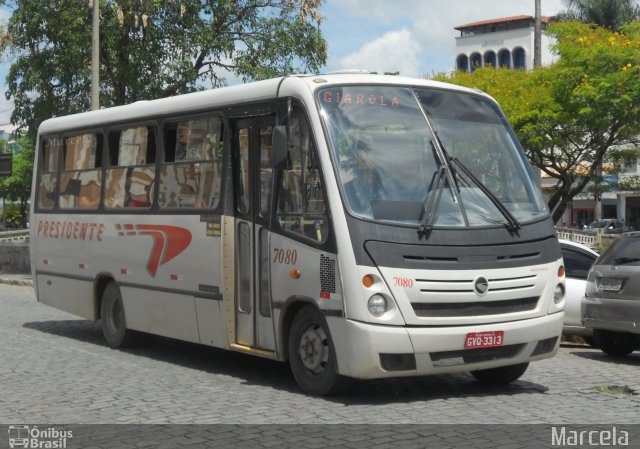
(55, 368)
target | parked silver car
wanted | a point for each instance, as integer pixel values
(611, 306)
(578, 260)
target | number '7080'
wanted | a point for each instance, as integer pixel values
(399, 281)
(285, 256)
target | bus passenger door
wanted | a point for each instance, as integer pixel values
(252, 202)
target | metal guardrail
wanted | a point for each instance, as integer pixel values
(588, 239)
(595, 240)
(18, 236)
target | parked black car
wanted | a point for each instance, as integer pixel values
(609, 226)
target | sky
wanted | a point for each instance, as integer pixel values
(414, 37)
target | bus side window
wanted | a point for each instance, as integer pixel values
(191, 173)
(301, 204)
(132, 155)
(81, 178)
(48, 177)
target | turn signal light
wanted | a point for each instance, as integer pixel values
(367, 280)
(561, 271)
(294, 273)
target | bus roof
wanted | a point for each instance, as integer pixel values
(228, 96)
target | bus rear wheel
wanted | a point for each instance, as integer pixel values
(501, 375)
(114, 322)
(312, 355)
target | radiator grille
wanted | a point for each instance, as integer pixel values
(477, 308)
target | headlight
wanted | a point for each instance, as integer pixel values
(558, 294)
(377, 305)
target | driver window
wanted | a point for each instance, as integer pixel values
(301, 202)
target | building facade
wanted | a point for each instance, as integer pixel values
(506, 42)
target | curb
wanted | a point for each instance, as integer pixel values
(16, 281)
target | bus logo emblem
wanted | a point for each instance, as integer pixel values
(481, 286)
(168, 242)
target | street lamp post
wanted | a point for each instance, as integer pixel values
(95, 56)
(537, 37)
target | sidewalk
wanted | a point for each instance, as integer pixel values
(16, 279)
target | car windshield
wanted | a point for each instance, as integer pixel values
(623, 251)
(415, 155)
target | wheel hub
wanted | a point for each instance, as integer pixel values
(314, 349)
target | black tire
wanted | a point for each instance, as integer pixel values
(114, 322)
(617, 344)
(502, 375)
(591, 342)
(312, 355)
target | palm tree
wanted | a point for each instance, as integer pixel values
(607, 13)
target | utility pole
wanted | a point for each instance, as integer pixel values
(95, 56)
(537, 38)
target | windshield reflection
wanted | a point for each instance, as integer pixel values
(388, 163)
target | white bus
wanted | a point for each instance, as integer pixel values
(356, 226)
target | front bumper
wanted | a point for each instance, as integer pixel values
(440, 349)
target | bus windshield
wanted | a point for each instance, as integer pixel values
(417, 155)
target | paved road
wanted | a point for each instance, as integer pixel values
(55, 368)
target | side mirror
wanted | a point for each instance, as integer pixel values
(280, 142)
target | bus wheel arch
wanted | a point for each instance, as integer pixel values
(114, 321)
(310, 350)
(290, 310)
(100, 283)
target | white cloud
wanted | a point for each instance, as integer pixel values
(430, 23)
(393, 51)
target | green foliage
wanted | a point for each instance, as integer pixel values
(17, 187)
(14, 218)
(150, 49)
(606, 13)
(629, 184)
(567, 116)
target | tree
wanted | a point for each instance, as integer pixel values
(569, 115)
(610, 14)
(150, 49)
(17, 187)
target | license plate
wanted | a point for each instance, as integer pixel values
(609, 284)
(484, 339)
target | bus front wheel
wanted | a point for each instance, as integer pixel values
(502, 375)
(312, 355)
(114, 323)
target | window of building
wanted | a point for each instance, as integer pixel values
(504, 59)
(519, 61)
(490, 59)
(463, 63)
(476, 61)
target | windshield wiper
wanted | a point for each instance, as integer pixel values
(512, 222)
(624, 260)
(433, 201)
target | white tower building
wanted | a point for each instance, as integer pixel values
(506, 42)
